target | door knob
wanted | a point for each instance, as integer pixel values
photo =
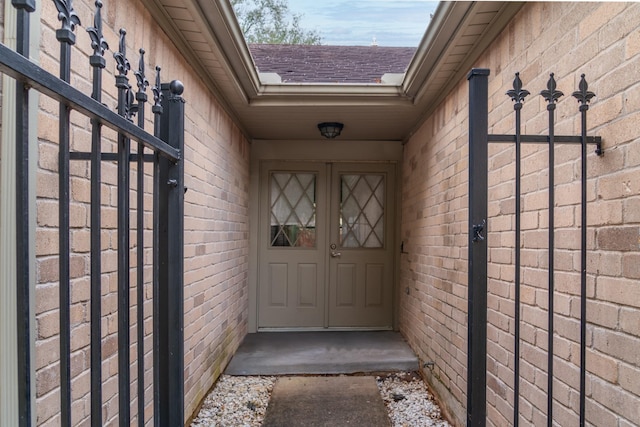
(335, 254)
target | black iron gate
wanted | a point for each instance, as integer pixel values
(165, 148)
(479, 140)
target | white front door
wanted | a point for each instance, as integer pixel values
(325, 257)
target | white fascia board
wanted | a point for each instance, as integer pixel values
(304, 94)
(220, 20)
(439, 34)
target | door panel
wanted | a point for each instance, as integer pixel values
(374, 285)
(278, 281)
(308, 285)
(346, 289)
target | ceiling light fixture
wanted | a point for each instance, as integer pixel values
(330, 129)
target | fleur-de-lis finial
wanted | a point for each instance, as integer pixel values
(130, 108)
(583, 95)
(157, 93)
(551, 95)
(518, 94)
(98, 43)
(121, 56)
(69, 19)
(143, 83)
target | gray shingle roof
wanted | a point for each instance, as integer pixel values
(331, 64)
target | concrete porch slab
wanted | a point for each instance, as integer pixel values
(326, 401)
(332, 352)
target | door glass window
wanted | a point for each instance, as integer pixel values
(293, 209)
(362, 211)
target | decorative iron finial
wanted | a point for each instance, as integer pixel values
(143, 83)
(176, 87)
(121, 56)
(518, 94)
(98, 43)
(125, 97)
(130, 108)
(69, 18)
(551, 95)
(583, 95)
(157, 94)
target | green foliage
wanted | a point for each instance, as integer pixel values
(271, 22)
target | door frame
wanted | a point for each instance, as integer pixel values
(325, 151)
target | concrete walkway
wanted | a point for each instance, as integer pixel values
(326, 401)
(331, 352)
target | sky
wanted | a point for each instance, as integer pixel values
(359, 22)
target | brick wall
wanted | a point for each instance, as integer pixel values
(216, 226)
(602, 41)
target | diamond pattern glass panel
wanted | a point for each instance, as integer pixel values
(293, 209)
(362, 211)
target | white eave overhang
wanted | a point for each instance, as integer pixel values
(208, 35)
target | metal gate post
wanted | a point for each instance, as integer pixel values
(170, 322)
(477, 283)
(23, 278)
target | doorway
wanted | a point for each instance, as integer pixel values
(325, 245)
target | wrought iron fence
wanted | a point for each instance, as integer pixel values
(479, 140)
(163, 148)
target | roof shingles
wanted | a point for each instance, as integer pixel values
(330, 64)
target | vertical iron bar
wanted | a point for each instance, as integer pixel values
(141, 97)
(171, 354)
(477, 279)
(23, 278)
(551, 95)
(96, 263)
(140, 280)
(550, 108)
(64, 254)
(65, 35)
(516, 351)
(583, 264)
(517, 94)
(583, 96)
(97, 61)
(157, 110)
(516, 368)
(122, 83)
(160, 298)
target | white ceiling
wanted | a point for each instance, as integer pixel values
(207, 32)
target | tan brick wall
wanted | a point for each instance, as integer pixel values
(216, 226)
(433, 271)
(602, 41)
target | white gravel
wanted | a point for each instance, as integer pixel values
(242, 401)
(408, 401)
(235, 402)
